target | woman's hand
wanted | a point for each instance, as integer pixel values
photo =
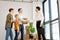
(18, 29)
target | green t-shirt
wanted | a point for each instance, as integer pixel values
(9, 19)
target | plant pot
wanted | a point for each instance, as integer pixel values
(30, 36)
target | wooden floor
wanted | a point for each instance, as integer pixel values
(26, 37)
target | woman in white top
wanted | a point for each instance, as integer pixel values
(39, 21)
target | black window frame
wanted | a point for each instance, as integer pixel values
(50, 17)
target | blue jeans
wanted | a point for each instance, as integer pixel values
(16, 35)
(22, 31)
(9, 33)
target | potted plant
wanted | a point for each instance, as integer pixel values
(32, 30)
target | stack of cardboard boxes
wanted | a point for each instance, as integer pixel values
(26, 36)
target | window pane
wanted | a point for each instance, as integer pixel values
(47, 31)
(55, 29)
(46, 9)
(54, 9)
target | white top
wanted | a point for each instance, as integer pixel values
(39, 16)
(20, 17)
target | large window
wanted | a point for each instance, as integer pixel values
(46, 11)
(47, 31)
(55, 24)
(54, 10)
(51, 20)
(55, 28)
(47, 26)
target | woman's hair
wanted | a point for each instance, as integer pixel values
(38, 8)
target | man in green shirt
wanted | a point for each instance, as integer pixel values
(8, 24)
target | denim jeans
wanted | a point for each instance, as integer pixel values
(22, 31)
(16, 35)
(9, 33)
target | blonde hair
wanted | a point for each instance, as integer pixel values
(16, 15)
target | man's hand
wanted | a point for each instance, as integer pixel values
(41, 25)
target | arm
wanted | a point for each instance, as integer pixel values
(20, 20)
(42, 19)
(5, 25)
(18, 29)
(9, 18)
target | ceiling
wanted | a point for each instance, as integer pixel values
(24, 0)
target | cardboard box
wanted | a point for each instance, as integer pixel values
(25, 22)
(26, 37)
(35, 37)
(27, 30)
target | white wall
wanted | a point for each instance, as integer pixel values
(28, 11)
(5, 5)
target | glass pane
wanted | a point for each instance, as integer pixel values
(55, 29)
(54, 9)
(47, 31)
(46, 9)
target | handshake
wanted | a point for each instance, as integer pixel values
(25, 21)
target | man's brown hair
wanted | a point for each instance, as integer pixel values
(11, 9)
(19, 9)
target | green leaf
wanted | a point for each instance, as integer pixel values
(32, 30)
(31, 24)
